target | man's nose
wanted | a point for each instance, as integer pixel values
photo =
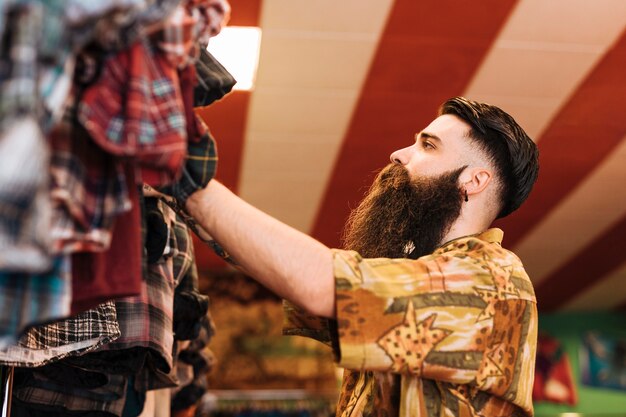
(400, 157)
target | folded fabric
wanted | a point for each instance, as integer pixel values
(89, 190)
(190, 307)
(135, 109)
(71, 377)
(70, 337)
(189, 395)
(116, 272)
(200, 167)
(198, 357)
(184, 374)
(22, 409)
(146, 320)
(124, 362)
(181, 252)
(34, 388)
(214, 81)
(200, 361)
(151, 378)
(46, 296)
(201, 159)
(188, 79)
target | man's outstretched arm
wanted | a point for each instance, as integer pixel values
(291, 264)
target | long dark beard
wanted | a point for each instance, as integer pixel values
(404, 218)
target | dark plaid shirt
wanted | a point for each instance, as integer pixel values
(71, 337)
(37, 388)
(202, 234)
(88, 191)
(214, 81)
(200, 165)
(146, 321)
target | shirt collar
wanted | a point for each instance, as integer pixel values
(493, 235)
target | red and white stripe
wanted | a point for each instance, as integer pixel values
(340, 85)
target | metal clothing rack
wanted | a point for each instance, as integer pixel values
(6, 387)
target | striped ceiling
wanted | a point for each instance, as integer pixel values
(341, 84)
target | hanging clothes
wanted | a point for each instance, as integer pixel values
(135, 109)
(36, 392)
(24, 203)
(116, 273)
(214, 81)
(94, 194)
(70, 337)
(199, 168)
(47, 296)
(25, 209)
(146, 352)
(147, 321)
(104, 109)
(178, 37)
(195, 361)
(89, 190)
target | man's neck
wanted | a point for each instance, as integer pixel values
(463, 227)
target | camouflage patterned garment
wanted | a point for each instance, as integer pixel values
(453, 333)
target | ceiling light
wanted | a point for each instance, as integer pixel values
(237, 49)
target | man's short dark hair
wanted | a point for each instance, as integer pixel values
(514, 155)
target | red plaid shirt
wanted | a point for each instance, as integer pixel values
(135, 109)
(88, 191)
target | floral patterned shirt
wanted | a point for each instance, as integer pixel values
(453, 333)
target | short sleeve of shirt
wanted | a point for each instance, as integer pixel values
(297, 322)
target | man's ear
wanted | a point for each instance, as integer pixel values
(475, 180)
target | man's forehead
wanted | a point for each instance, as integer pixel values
(448, 128)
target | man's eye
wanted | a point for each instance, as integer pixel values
(427, 145)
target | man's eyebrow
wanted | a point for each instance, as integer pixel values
(427, 136)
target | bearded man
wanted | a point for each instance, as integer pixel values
(425, 310)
